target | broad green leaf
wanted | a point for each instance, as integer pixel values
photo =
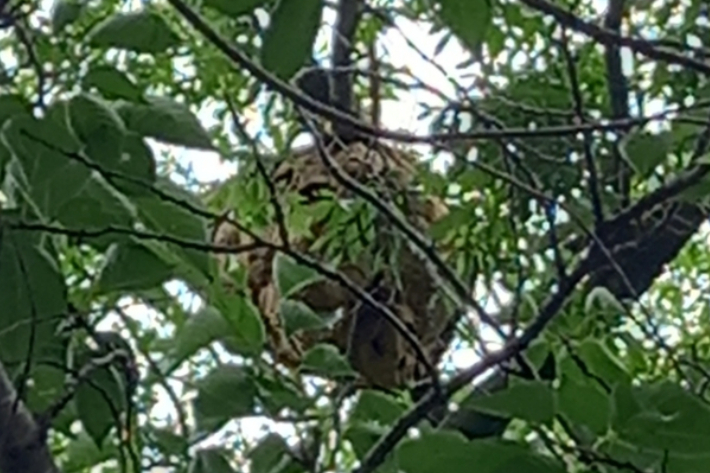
(378, 407)
(47, 386)
(271, 455)
(211, 460)
(226, 393)
(645, 151)
(97, 206)
(49, 172)
(112, 83)
(135, 173)
(12, 105)
(64, 13)
(298, 316)
(166, 120)
(286, 49)
(100, 399)
(672, 420)
(601, 362)
(98, 126)
(292, 277)
(325, 360)
(529, 400)
(469, 20)
(131, 266)
(32, 289)
(236, 8)
(168, 442)
(247, 334)
(142, 31)
(199, 331)
(277, 394)
(604, 297)
(585, 404)
(433, 450)
(82, 453)
(175, 212)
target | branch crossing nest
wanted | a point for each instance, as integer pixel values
(368, 251)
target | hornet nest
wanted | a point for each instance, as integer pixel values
(386, 266)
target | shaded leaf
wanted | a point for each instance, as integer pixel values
(645, 151)
(112, 83)
(325, 360)
(247, 334)
(469, 20)
(100, 399)
(131, 266)
(199, 331)
(298, 316)
(529, 400)
(285, 48)
(211, 460)
(227, 392)
(432, 450)
(142, 31)
(235, 7)
(32, 288)
(584, 404)
(64, 13)
(292, 277)
(166, 120)
(98, 126)
(377, 406)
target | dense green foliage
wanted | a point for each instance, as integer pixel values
(101, 220)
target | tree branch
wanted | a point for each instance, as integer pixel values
(23, 442)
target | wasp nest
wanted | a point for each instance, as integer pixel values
(386, 266)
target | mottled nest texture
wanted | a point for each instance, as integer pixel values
(368, 250)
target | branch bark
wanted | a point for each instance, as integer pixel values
(23, 442)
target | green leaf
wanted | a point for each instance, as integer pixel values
(99, 400)
(247, 335)
(298, 316)
(469, 20)
(98, 126)
(82, 453)
(286, 49)
(211, 460)
(227, 392)
(131, 266)
(12, 105)
(292, 277)
(64, 13)
(277, 394)
(377, 406)
(199, 331)
(270, 455)
(672, 420)
(236, 8)
(325, 360)
(47, 173)
(32, 288)
(601, 362)
(528, 400)
(433, 450)
(112, 83)
(97, 206)
(143, 32)
(166, 120)
(135, 173)
(175, 212)
(584, 404)
(644, 151)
